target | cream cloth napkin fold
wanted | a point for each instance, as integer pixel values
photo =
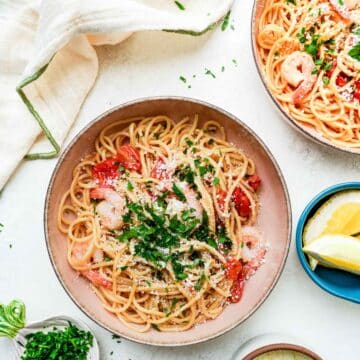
(48, 63)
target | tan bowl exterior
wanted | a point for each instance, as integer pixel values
(274, 220)
(306, 130)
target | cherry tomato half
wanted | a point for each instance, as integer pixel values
(254, 181)
(242, 202)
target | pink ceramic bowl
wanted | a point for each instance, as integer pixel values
(307, 130)
(274, 220)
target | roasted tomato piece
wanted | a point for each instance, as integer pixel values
(241, 202)
(254, 181)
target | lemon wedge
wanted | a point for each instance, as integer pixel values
(338, 215)
(337, 251)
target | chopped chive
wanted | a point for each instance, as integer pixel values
(180, 5)
(209, 72)
(225, 23)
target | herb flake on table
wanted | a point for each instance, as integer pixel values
(209, 72)
(225, 22)
(179, 5)
(182, 78)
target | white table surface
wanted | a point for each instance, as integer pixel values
(149, 64)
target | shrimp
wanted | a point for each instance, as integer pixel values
(111, 209)
(297, 71)
(345, 7)
(79, 250)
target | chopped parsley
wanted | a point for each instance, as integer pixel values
(355, 52)
(291, 2)
(179, 5)
(173, 303)
(200, 282)
(301, 35)
(178, 192)
(225, 23)
(204, 169)
(326, 80)
(130, 186)
(216, 181)
(209, 72)
(341, 2)
(70, 343)
(186, 174)
(154, 326)
(182, 78)
(189, 142)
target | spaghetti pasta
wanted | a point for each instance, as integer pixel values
(158, 219)
(309, 52)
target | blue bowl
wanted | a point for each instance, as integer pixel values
(336, 282)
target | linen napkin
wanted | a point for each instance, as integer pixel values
(48, 63)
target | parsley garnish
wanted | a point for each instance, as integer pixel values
(225, 23)
(326, 80)
(209, 72)
(355, 52)
(130, 186)
(173, 303)
(178, 192)
(68, 344)
(208, 168)
(182, 78)
(291, 2)
(154, 326)
(179, 5)
(216, 181)
(199, 282)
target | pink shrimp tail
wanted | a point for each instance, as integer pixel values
(98, 193)
(302, 90)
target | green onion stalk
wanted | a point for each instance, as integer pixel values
(12, 318)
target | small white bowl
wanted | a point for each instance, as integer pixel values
(270, 342)
(46, 325)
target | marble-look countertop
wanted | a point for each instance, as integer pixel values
(149, 64)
